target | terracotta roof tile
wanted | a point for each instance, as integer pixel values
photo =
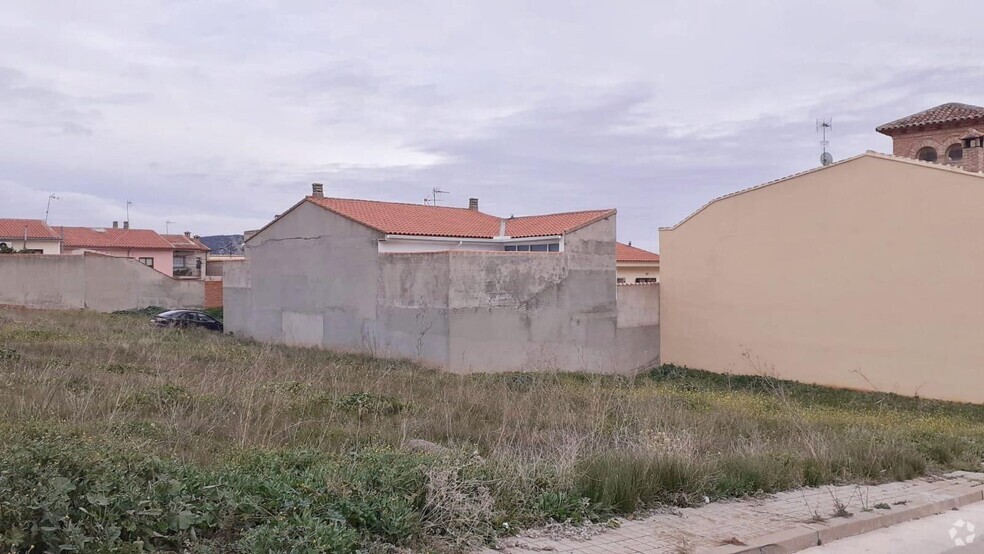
(552, 224)
(181, 242)
(943, 114)
(36, 229)
(440, 221)
(626, 253)
(98, 237)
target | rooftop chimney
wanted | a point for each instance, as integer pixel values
(126, 224)
(116, 225)
(473, 204)
(317, 190)
(973, 151)
(187, 234)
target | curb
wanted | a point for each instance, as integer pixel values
(808, 535)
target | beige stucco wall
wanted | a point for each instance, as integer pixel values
(866, 274)
(632, 271)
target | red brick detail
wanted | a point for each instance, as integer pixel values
(213, 294)
(907, 145)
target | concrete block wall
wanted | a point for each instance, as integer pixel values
(637, 344)
(91, 281)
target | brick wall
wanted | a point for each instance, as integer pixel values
(908, 144)
(213, 293)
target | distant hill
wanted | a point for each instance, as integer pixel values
(225, 244)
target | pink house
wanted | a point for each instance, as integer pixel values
(146, 245)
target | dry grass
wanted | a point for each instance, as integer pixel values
(585, 444)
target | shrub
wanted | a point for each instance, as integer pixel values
(302, 534)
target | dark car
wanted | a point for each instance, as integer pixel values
(186, 318)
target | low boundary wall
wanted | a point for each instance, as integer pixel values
(91, 281)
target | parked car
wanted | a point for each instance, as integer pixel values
(186, 318)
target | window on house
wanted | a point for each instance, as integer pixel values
(620, 280)
(955, 152)
(179, 262)
(149, 262)
(552, 247)
(927, 154)
(646, 280)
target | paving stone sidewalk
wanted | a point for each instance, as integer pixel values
(739, 522)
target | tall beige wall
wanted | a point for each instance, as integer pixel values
(866, 274)
(94, 282)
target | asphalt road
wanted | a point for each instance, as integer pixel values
(929, 535)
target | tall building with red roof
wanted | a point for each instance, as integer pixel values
(945, 134)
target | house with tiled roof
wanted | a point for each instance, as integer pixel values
(635, 266)
(938, 135)
(189, 257)
(32, 236)
(173, 255)
(144, 245)
(455, 288)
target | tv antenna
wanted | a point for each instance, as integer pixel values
(48, 208)
(167, 227)
(433, 200)
(823, 124)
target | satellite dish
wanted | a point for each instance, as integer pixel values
(826, 158)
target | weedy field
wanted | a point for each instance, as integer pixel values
(117, 437)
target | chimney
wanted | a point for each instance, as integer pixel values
(187, 234)
(116, 225)
(473, 204)
(317, 190)
(973, 151)
(126, 224)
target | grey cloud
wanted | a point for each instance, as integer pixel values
(606, 106)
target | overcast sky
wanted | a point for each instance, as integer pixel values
(216, 116)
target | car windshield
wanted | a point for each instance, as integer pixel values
(170, 313)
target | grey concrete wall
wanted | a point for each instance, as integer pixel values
(536, 311)
(638, 305)
(42, 281)
(317, 279)
(311, 280)
(412, 307)
(92, 282)
(637, 336)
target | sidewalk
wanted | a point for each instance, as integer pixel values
(787, 521)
